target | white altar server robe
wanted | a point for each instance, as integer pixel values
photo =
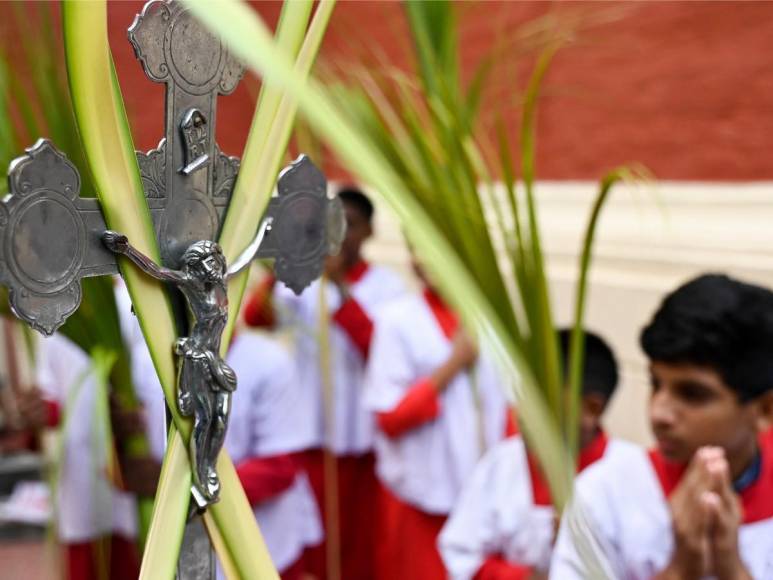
(88, 504)
(623, 500)
(427, 466)
(351, 432)
(499, 514)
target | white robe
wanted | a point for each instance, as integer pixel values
(496, 515)
(352, 429)
(267, 418)
(87, 504)
(146, 385)
(427, 466)
(622, 499)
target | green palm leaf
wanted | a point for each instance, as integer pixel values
(95, 325)
(247, 37)
(419, 156)
(106, 138)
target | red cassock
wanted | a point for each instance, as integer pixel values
(357, 513)
(113, 557)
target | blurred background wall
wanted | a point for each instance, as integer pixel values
(685, 88)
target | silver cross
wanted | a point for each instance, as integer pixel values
(50, 237)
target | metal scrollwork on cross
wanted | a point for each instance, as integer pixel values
(50, 237)
(188, 180)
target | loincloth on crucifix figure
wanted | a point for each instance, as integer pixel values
(203, 361)
(205, 383)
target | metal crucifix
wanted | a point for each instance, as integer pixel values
(50, 237)
(43, 206)
(205, 382)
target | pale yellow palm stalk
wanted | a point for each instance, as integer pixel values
(330, 464)
(266, 155)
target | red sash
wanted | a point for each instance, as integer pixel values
(757, 499)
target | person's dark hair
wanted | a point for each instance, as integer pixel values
(600, 373)
(721, 323)
(353, 196)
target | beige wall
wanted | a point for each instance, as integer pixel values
(650, 239)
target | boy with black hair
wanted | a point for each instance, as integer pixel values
(503, 525)
(352, 294)
(352, 196)
(701, 503)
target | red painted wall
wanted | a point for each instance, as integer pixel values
(683, 87)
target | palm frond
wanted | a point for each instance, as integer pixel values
(35, 88)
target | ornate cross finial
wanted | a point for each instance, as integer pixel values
(50, 238)
(187, 179)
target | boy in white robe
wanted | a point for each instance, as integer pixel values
(355, 290)
(438, 407)
(503, 525)
(699, 505)
(96, 522)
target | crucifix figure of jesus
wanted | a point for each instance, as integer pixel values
(205, 381)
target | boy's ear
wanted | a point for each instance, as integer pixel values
(594, 404)
(764, 405)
